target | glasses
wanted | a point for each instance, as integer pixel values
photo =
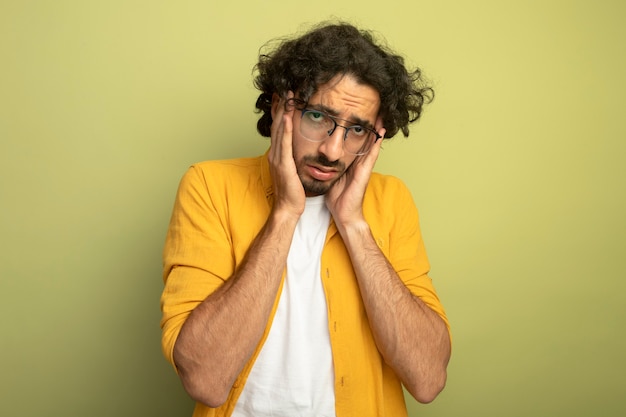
(317, 126)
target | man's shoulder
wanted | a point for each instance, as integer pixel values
(247, 163)
(386, 192)
(386, 200)
(227, 175)
(385, 184)
(231, 170)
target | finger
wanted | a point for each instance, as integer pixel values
(372, 155)
(286, 141)
(379, 125)
(286, 134)
(365, 163)
(276, 129)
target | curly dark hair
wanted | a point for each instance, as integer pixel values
(305, 63)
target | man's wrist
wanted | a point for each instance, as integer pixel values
(354, 230)
(284, 216)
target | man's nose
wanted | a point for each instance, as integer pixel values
(332, 146)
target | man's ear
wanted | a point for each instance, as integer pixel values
(275, 103)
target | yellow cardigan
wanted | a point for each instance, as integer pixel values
(220, 208)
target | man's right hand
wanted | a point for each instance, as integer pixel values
(289, 195)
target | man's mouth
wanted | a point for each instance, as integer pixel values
(322, 173)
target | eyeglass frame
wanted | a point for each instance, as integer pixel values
(302, 107)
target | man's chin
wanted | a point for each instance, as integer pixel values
(313, 187)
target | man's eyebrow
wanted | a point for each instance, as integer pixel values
(354, 120)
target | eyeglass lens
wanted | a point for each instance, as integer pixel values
(317, 126)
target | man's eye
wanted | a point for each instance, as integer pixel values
(316, 116)
(358, 130)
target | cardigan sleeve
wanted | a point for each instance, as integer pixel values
(197, 256)
(395, 217)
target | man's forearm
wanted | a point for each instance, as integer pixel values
(412, 338)
(221, 334)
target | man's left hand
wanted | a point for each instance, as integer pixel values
(345, 198)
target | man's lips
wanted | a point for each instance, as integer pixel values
(322, 173)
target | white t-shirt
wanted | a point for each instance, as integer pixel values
(293, 374)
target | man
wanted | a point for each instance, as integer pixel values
(296, 282)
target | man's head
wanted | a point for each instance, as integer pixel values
(339, 123)
(306, 63)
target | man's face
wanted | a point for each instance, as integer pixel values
(321, 164)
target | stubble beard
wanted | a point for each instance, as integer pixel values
(313, 187)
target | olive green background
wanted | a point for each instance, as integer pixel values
(518, 168)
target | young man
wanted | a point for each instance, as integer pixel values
(296, 282)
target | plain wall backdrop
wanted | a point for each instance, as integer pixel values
(518, 169)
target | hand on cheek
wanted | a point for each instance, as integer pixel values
(289, 193)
